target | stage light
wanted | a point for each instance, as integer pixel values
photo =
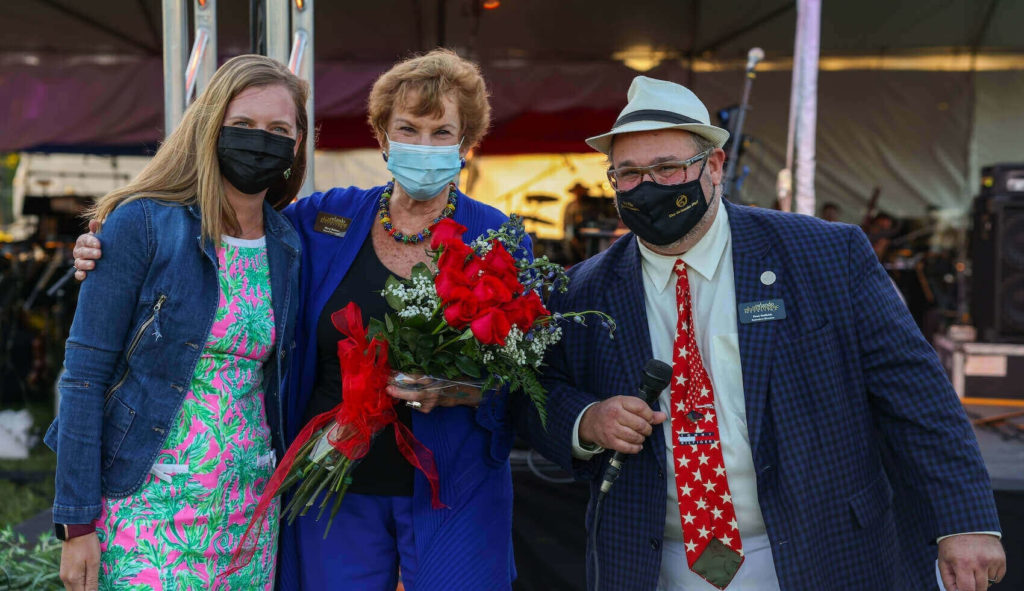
(300, 4)
(491, 4)
(643, 57)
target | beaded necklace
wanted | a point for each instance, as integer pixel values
(384, 213)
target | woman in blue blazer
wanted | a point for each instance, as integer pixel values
(427, 113)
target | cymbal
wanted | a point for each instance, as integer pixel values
(541, 198)
(537, 219)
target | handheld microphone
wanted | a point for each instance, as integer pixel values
(657, 375)
(755, 55)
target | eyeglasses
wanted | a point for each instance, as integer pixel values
(662, 173)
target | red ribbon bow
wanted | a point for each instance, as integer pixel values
(365, 410)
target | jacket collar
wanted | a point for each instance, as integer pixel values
(274, 225)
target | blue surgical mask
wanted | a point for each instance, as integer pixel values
(423, 171)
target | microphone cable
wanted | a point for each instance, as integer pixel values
(657, 375)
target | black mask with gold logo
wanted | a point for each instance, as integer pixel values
(662, 214)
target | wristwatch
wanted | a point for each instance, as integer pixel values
(67, 531)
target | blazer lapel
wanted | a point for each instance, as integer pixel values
(624, 301)
(333, 257)
(752, 257)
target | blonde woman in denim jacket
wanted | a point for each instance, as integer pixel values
(170, 409)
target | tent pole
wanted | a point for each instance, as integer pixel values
(258, 27)
(807, 112)
(301, 63)
(175, 24)
(784, 184)
(277, 20)
(205, 12)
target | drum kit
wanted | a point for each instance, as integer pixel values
(536, 200)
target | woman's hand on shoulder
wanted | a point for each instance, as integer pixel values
(87, 251)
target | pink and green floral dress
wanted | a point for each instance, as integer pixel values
(179, 529)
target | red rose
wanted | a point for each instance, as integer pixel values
(524, 310)
(511, 282)
(491, 327)
(490, 291)
(454, 257)
(461, 310)
(499, 261)
(475, 268)
(448, 281)
(445, 231)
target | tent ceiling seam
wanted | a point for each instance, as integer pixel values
(88, 20)
(747, 28)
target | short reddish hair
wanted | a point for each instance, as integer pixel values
(427, 79)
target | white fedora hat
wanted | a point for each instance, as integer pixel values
(659, 104)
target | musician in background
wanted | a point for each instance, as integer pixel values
(578, 214)
(881, 230)
(830, 212)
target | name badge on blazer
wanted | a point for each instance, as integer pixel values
(763, 311)
(335, 225)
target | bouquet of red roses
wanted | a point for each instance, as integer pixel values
(476, 317)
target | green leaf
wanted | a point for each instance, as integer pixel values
(468, 367)
(425, 343)
(418, 322)
(409, 335)
(389, 323)
(421, 270)
(394, 301)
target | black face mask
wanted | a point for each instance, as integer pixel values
(252, 159)
(662, 214)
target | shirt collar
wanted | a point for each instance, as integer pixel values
(703, 258)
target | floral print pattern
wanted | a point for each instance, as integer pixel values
(179, 529)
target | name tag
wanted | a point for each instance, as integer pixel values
(764, 311)
(335, 225)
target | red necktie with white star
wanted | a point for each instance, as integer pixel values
(713, 547)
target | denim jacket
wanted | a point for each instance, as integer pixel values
(142, 321)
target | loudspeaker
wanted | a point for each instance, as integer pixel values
(1002, 179)
(997, 264)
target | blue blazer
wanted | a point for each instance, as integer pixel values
(862, 451)
(467, 545)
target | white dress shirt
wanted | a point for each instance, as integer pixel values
(712, 290)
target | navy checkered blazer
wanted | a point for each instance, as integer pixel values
(863, 454)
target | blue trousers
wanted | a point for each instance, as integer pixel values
(370, 539)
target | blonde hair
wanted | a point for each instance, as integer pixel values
(185, 170)
(428, 79)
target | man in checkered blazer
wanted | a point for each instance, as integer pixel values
(849, 461)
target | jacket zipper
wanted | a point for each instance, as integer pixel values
(135, 343)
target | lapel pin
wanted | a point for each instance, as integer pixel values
(768, 277)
